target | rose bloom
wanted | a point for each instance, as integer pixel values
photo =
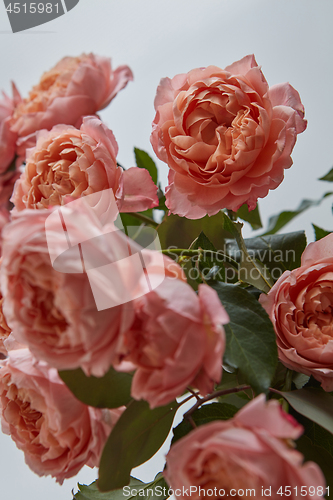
(4, 219)
(75, 87)
(300, 306)
(57, 433)
(63, 301)
(177, 340)
(225, 135)
(54, 313)
(5, 331)
(7, 136)
(78, 162)
(8, 174)
(253, 450)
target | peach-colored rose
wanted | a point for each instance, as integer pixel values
(54, 313)
(300, 306)
(75, 87)
(7, 340)
(8, 173)
(61, 298)
(77, 162)
(177, 340)
(253, 450)
(225, 135)
(7, 136)
(4, 219)
(57, 433)
(5, 330)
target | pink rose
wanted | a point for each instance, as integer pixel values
(225, 135)
(54, 313)
(68, 295)
(7, 148)
(7, 136)
(77, 162)
(4, 219)
(5, 330)
(300, 308)
(75, 87)
(57, 433)
(177, 340)
(7, 339)
(250, 451)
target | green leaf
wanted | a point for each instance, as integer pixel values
(251, 271)
(317, 454)
(251, 342)
(130, 220)
(111, 391)
(143, 160)
(316, 444)
(136, 437)
(209, 265)
(253, 217)
(314, 404)
(134, 491)
(278, 252)
(228, 381)
(204, 415)
(300, 379)
(161, 203)
(319, 232)
(179, 232)
(277, 222)
(328, 177)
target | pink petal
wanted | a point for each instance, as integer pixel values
(242, 66)
(140, 192)
(284, 94)
(269, 416)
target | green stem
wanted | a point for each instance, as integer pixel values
(288, 381)
(260, 267)
(144, 218)
(216, 394)
(183, 252)
(232, 215)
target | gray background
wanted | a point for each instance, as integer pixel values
(291, 39)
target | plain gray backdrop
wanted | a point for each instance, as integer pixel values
(292, 41)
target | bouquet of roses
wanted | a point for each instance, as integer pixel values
(121, 303)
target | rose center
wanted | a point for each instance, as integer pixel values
(57, 173)
(218, 474)
(315, 319)
(44, 315)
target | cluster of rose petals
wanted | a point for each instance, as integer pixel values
(5, 330)
(52, 312)
(4, 218)
(300, 306)
(8, 139)
(74, 87)
(7, 136)
(49, 296)
(57, 433)
(177, 340)
(225, 135)
(77, 162)
(250, 451)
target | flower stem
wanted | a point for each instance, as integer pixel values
(183, 252)
(232, 215)
(216, 394)
(144, 218)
